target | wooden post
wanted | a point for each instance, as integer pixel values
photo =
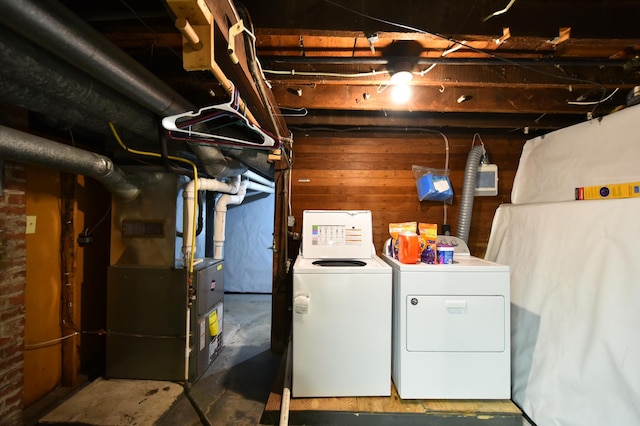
(69, 300)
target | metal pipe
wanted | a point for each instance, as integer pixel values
(24, 147)
(52, 26)
(56, 88)
(34, 100)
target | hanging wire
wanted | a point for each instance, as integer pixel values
(499, 12)
(89, 230)
(474, 49)
(593, 102)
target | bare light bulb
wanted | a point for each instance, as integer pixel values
(401, 77)
(400, 93)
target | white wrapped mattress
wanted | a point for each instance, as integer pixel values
(596, 152)
(575, 293)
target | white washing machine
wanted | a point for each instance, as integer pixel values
(451, 329)
(341, 343)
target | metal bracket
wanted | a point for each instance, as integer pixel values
(234, 30)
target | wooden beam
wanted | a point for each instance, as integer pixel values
(417, 120)
(432, 99)
(488, 73)
(69, 294)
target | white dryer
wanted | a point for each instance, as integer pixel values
(451, 329)
(341, 343)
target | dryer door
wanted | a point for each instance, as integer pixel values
(455, 323)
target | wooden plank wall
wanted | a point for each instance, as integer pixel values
(345, 171)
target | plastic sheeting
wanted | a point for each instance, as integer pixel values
(596, 152)
(575, 276)
(575, 294)
(247, 247)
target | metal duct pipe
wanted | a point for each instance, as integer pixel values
(34, 100)
(468, 192)
(71, 94)
(24, 147)
(52, 26)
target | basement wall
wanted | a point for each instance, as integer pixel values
(346, 171)
(12, 291)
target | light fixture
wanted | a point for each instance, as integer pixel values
(401, 77)
(401, 92)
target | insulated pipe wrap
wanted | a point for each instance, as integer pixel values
(51, 25)
(55, 28)
(24, 147)
(39, 81)
(468, 192)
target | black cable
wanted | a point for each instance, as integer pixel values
(203, 417)
(200, 215)
(164, 153)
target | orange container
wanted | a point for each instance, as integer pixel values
(408, 248)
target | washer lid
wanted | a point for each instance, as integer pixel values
(372, 265)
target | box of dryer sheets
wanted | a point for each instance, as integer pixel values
(616, 190)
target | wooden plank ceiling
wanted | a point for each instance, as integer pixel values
(536, 66)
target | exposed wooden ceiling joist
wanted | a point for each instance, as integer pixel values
(533, 61)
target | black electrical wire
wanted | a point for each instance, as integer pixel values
(200, 215)
(201, 414)
(452, 40)
(164, 153)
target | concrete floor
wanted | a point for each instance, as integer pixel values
(232, 391)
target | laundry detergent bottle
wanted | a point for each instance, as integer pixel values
(408, 247)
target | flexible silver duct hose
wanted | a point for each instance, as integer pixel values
(468, 192)
(26, 148)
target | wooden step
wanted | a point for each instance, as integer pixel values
(388, 410)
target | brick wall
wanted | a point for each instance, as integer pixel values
(12, 286)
